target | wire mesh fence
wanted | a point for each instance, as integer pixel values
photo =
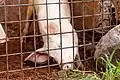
(88, 19)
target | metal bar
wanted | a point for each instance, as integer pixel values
(34, 31)
(45, 3)
(48, 35)
(83, 18)
(73, 29)
(32, 68)
(102, 13)
(7, 77)
(53, 18)
(14, 54)
(60, 32)
(110, 14)
(72, 17)
(93, 26)
(21, 41)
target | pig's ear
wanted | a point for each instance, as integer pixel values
(39, 58)
(52, 28)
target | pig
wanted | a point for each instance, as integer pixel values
(55, 41)
(2, 32)
(2, 35)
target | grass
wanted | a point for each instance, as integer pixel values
(112, 72)
(77, 75)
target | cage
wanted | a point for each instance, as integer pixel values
(91, 19)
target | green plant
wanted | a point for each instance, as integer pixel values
(112, 71)
(77, 75)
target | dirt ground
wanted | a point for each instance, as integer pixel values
(14, 47)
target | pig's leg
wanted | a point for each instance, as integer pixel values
(28, 17)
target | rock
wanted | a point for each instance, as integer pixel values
(108, 43)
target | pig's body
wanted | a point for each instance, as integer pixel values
(2, 35)
(54, 27)
(2, 32)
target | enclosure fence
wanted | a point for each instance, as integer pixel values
(91, 19)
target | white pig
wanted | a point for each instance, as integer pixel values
(2, 35)
(53, 28)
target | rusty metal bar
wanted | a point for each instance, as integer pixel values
(60, 32)
(45, 3)
(34, 34)
(53, 18)
(7, 70)
(20, 21)
(21, 41)
(72, 21)
(14, 54)
(48, 36)
(83, 18)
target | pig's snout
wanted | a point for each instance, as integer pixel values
(67, 66)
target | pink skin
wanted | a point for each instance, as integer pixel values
(2, 32)
(39, 58)
(2, 35)
(2, 1)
